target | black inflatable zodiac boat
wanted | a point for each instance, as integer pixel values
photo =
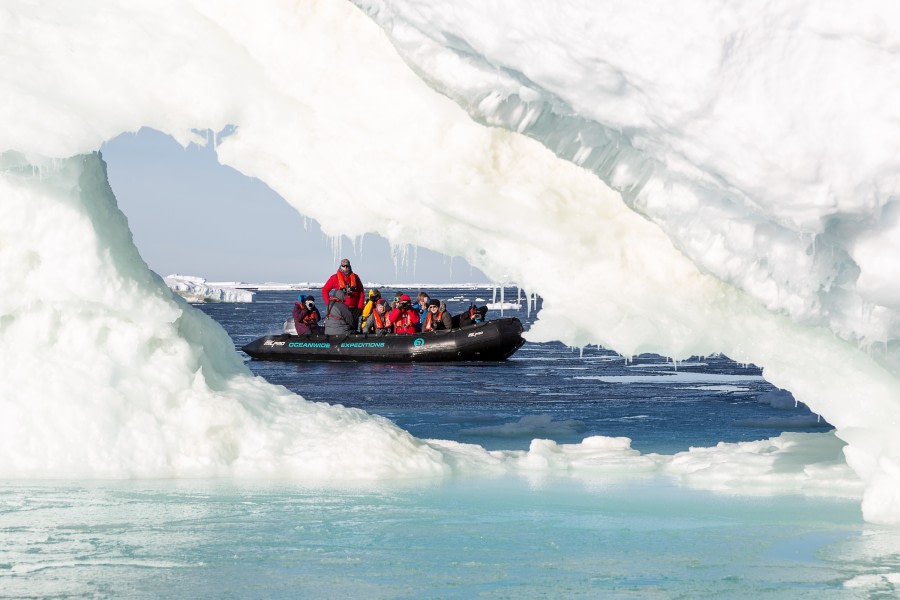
(489, 341)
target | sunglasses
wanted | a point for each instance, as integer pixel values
(345, 266)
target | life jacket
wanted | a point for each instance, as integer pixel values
(429, 322)
(380, 322)
(405, 324)
(354, 282)
(311, 317)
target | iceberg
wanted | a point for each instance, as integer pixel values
(197, 289)
(711, 177)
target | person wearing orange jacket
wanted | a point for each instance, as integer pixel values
(379, 321)
(404, 317)
(436, 317)
(348, 281)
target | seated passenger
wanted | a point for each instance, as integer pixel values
(396, 300)
(479, 315)
(379, 321)
(374, 296)
(306, 316)
(437, 318)
(404, 318)
(473, 316)
(421, 307)
(421, 304)
(338, 318)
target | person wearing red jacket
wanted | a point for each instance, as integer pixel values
(348, 281)
(404, 317)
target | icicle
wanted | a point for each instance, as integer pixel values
(336, 245)
(400, 255)
(501, 299)
(493, 294)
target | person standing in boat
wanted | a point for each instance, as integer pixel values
(338, 318)
(404, 318)
(306, 316)
(437, 318)
(350, 283)
(379, 321)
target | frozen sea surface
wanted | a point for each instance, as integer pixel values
(487, 538)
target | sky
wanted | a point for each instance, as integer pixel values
(191, 215)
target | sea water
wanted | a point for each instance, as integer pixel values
(538, 536)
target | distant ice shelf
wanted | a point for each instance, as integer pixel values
(197, 289)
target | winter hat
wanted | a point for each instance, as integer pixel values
(404, 298)
(434, 303)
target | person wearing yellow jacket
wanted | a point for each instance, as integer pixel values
(374, 297)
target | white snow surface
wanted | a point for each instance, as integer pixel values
(196, 289)
(714, 176)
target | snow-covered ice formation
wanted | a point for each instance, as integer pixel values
(196, 289)
(716, 177)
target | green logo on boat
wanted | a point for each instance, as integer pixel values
(309, 345)
(419, 342)
(362, 345)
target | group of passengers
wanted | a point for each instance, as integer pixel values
(349, 312)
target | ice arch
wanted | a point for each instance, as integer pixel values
(329, 115)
